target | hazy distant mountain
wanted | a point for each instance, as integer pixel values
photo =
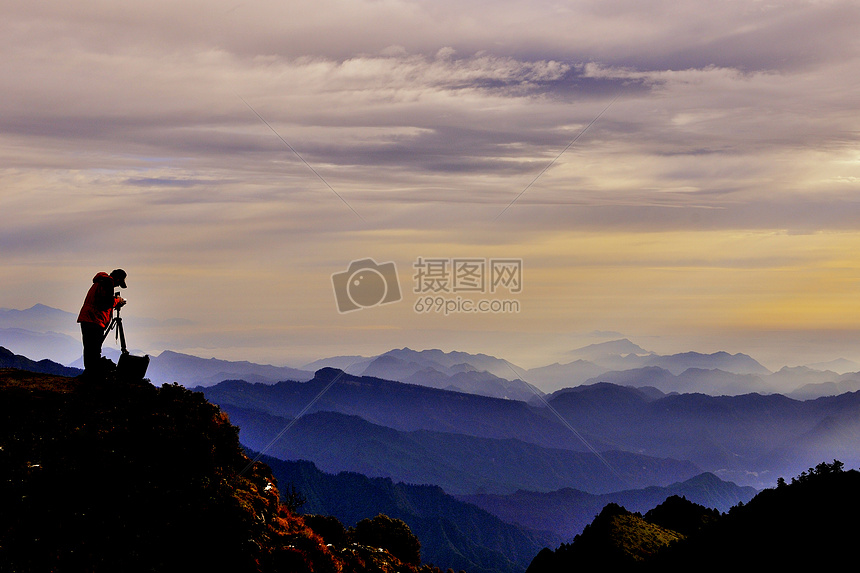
(399, 364)
(567, 511)
(714, 382)
(450, 360)
(799, 382)
(678, 363)
(749, 439)
(835, 434)
(405, 407)
(719, 382)
(350, 364)
(474, 382)
(41, 332)
(169, 367)
(54, 346)
(8, 359)
(620, 355)
(454, 534)
(736, 437)
(719, 373)
(622, 347)
(735, 363)
(391, 367)
(39, 318)
(789, 379)
(812, 391)
(557, 376)
(840, 366)
(458, 371)
(458, 463)
(45, 332)
(653, 376)
(839, 385)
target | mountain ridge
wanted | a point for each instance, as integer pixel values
(458, 534)
(123, 476)
(170, 366)
(8, 359)
(42, 331)
(748, 438)
(791, 527)
(400, 406)
(458, 463)
(567, 511)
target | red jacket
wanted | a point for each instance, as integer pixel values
(100, 301)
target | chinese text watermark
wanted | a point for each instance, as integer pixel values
(443, 285)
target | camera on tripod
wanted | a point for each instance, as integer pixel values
(129, 367)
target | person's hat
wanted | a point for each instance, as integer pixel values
(119, 277)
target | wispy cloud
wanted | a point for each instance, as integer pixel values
(121, 137)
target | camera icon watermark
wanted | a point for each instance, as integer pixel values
(365, 284)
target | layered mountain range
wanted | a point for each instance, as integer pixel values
(42, 332)
(488, 481)
(590, 437)
(545, 467)
(488, 461)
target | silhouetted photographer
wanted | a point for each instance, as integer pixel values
(95, 317)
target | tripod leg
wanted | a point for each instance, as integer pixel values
(121, 335)
(108, 329)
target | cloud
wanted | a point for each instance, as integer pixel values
(124, 134)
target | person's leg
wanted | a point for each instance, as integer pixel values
(92, 336)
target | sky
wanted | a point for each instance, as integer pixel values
(684, 174)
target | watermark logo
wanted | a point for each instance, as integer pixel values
(437, 275)
(442, 285)
(436, 279)
(365, 284)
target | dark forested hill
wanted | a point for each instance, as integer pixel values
(10, 360)
(126, 477)
(453, 534)
(566, 512)
(798, 526)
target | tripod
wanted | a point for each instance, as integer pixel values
(128, 367)
(116, 321)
